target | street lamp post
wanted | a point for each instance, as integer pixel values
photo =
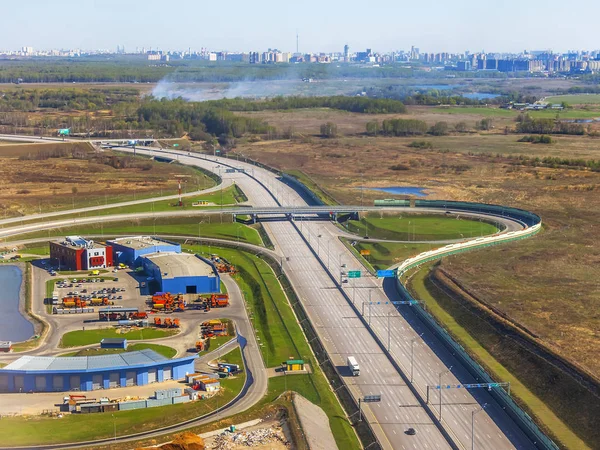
(412, 356)
(440, 385)
(473, 424)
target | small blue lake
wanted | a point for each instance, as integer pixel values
(401, 190)
(479, 95)
(13, 326)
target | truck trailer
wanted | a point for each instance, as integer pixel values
(353, 366)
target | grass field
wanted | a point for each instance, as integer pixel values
(417, 227)
(477, 336)
(547, 284)
(576, 99)
(164, 350)
(205, 227)
(229, 197)
(40, 430)
(281, 337)
(79, 338)
(215, 343)
(30, 183)
(385, 254)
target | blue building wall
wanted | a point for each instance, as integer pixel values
(178, 285)
(127, 255)
(179, 368)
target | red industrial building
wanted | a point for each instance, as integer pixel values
(76, 253)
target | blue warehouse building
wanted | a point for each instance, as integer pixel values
(130, 250)
(182, 273)
(88, 373)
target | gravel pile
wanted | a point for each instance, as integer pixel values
(262, 436)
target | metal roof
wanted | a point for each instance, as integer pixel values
(76, 363)
(173, 265)
(141, 242)
(113, 341)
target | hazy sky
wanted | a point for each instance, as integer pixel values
(323, 25)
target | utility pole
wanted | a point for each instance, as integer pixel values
(440, 385)
(473, 424)
(388, 327)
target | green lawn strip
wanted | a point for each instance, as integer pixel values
(357, 255)
(40, 430)
(36, 250)
(385, 254)
(167, 352)
(215, 343)
(418, 227)
(228, 196)
(312, 186)
(79, 338)
(575, 99)
(498, 112)
(426, 291)
(281, 335)
(186, 226)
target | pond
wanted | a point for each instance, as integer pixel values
(479, 95)
(401, 190)
(13, 325)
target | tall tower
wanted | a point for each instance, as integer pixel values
(346, 53)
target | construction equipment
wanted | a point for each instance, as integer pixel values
(200, 345)
(164, 301)
(167, 322)
(139, 315)
(214, 301)
(100, 301)
(212, 328)
(73, 302)
(222, 265)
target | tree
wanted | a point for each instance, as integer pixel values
(372, 128)
(461, 127)
(329, 130)
(484, 124)
(439, 129)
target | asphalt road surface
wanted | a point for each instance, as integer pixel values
(348, 329)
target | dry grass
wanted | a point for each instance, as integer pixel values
(30, 185)
(549, 284)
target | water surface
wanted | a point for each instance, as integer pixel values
(401, 190)
(13, 325)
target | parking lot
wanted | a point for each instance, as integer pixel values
(105, 289)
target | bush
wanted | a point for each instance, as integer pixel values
(404, 127)
(329, 130)
(421, 144)
(439, 129)
(484, 124)
(543, 139)
(461, 127)
(399, 167)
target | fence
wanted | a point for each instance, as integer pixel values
(533, 223)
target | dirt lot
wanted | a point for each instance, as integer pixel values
(32, 182)
(548, 283)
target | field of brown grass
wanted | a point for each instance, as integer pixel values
(549, 283)
(29, 184)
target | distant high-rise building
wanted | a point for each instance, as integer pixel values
(346, 53)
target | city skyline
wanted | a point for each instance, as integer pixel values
(463, 26)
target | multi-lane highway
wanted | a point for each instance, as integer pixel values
(382, 337)
(311, 247)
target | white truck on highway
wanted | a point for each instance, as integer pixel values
(353, 366)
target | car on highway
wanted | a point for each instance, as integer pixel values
(411, 431)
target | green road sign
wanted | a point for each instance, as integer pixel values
(175, 145)
(354, 274)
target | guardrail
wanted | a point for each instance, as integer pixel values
(533, 225)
